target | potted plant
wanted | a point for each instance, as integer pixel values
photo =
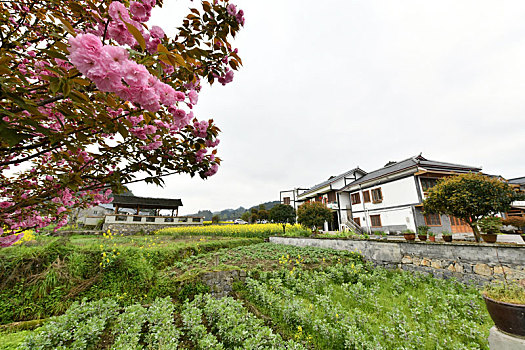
(409, 235)
(422, 232)
(447, 236)
(518, 222)
(432, 236)
(490, 226)
(506, 306)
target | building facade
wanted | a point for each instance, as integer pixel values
(390, 199)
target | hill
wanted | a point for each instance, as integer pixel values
(232, 214)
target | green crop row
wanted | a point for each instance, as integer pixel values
(353, 306)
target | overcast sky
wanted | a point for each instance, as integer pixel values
(330, 85)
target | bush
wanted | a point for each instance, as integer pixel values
(313, 215)
(516, 221)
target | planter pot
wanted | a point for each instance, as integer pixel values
(447, 238)
(509, 318)
(489, 237)
(523, 237)
(409, 236)
(422, 238)
(432, 238)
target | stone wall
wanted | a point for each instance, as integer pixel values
(468, 262)
(221, 282)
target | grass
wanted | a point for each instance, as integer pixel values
(11, 341)
(42, 279)
(262, 257)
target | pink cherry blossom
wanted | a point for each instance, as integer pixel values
(193, 96)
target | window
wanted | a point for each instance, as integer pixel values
(377, 195)
(432, 220)
(196, 219)
(150, 219)
(331, 197)
(366, 196)
(356, 198)
(286, 200)
(357, 221)
(427, 183)
(375, 219)
(95, 211)
(137, 218)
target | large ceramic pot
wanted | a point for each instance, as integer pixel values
(422, 237)
(489, 237)
(509, 318)
(409, 236)
(447, 238)
(432, 238)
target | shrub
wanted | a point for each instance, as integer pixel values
(313, 215)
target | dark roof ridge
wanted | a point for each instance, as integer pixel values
(331, 180)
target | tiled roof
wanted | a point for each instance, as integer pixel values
(331, 180)
(413, 162)
(146, 202)
(517, 181)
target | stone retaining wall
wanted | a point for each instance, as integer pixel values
(221, 282)
(473, 263)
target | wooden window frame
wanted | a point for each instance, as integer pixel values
(427, 220)
(353, 196)
(332, 197)
(422, 179)
(372, 217)
(357, 221)
(366, 196)
(374, 200)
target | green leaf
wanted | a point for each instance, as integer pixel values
(137, 35)
(123, 131)
(11, 136)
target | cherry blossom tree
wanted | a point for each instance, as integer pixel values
(94, 97)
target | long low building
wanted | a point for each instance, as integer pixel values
(390, 199)
(133, 214)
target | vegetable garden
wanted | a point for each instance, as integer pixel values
(149, 296)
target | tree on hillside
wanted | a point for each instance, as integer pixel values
(215, 219)
(313, 215)
(93, 98)
(246, 216)
(263, 214)
(470, 197)
(283, 214)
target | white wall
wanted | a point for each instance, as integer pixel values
(344, 199)
(390, 217)
(395, 193)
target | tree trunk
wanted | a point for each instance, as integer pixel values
(284, 229)
(475, 229)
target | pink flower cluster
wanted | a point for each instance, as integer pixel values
(110, 68)
(213, 170)
(10, 240)
(227, 77)
(199, 156)
(140, 11)
(210, 143)
(201, 128)
(239, 15)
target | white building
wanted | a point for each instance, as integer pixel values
(327, 193)
(390, 199)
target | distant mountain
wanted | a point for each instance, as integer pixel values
(232, 214)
